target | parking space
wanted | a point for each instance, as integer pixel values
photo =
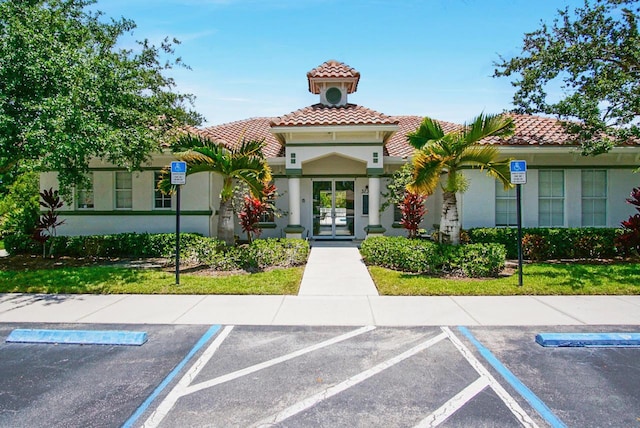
(45, 385)
(316, 377)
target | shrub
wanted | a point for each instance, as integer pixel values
(535, 247)
(399, 253)
(260, 254)
(482, 260)
(263, 253)
(629, 240)
(559, 243)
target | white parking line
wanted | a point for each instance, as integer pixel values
(453, 405)
(183, 388)
(178, 391)
(354, 380)
(510, 402)
(239, 373)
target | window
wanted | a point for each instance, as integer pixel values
(84, 194)
(594, 197)
(397, 214)
(365, 204)
(550, 198)
(269, 215)
(124, 190)
(506, 209)
(161, 200)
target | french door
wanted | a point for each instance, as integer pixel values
(333, 209)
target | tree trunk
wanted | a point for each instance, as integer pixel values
(449, 220)
(225, 222)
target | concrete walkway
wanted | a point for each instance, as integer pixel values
(335, 268)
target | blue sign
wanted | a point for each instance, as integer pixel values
(518, 166)
(178, 166)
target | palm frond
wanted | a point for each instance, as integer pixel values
(501, 171)
(428, 131)
(426, 175)
(479, 156)
(490, 125)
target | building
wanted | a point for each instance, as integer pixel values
(331, 162)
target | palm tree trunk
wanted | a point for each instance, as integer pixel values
(449, 220)
(225, 222)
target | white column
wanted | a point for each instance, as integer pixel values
(374, 201)
(294, 201)
(294, 229)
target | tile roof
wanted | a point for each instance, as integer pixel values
(255, 128)
(397, 145)
(333, 69)
(530, 130)
(323, 115)
(534, 130)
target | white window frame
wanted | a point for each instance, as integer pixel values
(120, 190)
(84, 194)
(552, 198)
(510, 197)
(592, 199)
(159, 196)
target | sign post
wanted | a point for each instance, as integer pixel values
(178, 178)
(518, 170)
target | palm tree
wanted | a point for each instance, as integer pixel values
(441, 154)
(244, 163)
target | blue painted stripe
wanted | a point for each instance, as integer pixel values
(156, 392)
(522, 389)
(599, 340)
(78, 337)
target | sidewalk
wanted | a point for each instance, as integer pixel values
(336, 290)
(322, 310)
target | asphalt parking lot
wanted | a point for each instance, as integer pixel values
(318, 377)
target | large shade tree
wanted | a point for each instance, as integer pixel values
(440, 157)
(69, 93)
(583, 68)
(242, 163)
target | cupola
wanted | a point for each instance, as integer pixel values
(333, 81)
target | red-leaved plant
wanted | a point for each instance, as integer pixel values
(412, 210)
(48, 221)
(252, 210)
(629, 241)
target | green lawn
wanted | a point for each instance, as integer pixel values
(112, 280)
(1, 245)
(538, 279)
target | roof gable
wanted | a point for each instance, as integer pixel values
(333, 70)
(323, 115)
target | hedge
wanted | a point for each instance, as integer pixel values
(194, 248)
(552, 243)
(421, 256)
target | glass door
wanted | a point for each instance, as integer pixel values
(333, 209)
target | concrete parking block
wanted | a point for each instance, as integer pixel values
(237, 310)
(596, 310)
(144, 309)
(416, 310)
(324, 310)
(512, 310)
(52, 307)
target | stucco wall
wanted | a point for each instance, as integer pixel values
(478, 202)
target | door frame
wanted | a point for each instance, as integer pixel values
(350, 218)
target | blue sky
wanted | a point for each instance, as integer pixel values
(249, 58)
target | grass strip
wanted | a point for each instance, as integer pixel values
(538, 279)
(115, 280)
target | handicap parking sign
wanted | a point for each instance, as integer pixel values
(178, 172)
(518, 170)
(518, 166)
